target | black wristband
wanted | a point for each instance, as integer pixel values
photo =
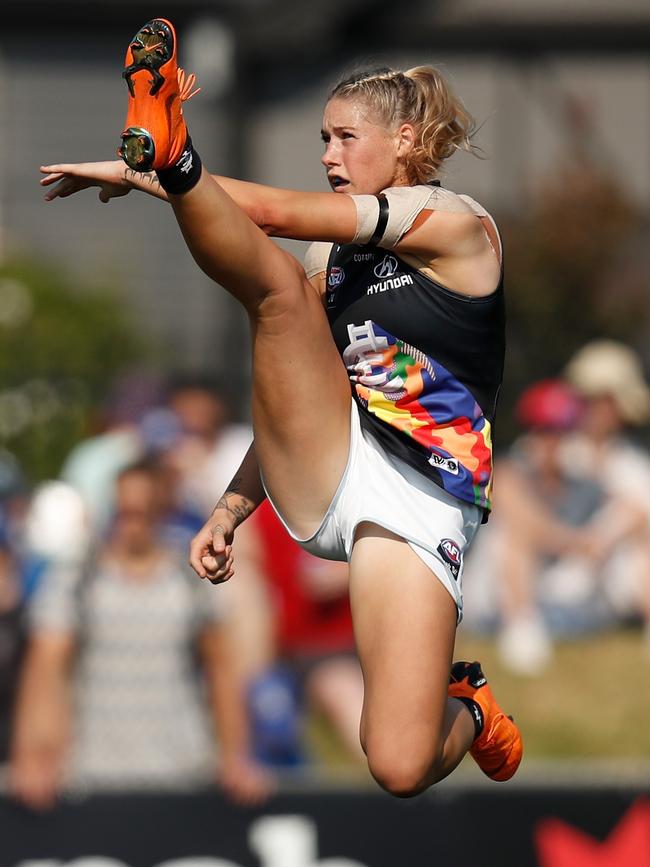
(184, 174)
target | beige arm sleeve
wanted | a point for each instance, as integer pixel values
(367, 218)
(316, 258)
(406, 203)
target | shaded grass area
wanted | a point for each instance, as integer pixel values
(592, 702)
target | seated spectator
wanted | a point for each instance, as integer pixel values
(545, 559)
(609, 378)
(316, 668)
(111, 695)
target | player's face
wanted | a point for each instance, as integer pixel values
(361, 155)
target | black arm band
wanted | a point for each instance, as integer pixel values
(382, 220)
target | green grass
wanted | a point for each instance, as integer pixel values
(592, 702)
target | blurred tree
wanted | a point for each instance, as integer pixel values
(59, 350)
(573, 273)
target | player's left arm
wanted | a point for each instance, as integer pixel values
(306, 216)
(302, 216)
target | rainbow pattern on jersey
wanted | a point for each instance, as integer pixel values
(404, 388)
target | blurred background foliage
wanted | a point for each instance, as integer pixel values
(61, 345)
(573, 273)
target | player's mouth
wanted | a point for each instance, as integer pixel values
(338, 183)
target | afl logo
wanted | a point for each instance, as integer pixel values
(450, 553)
(386, 267)
(336, 276)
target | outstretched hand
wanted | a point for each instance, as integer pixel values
(69, 178)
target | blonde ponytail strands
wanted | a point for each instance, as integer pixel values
(422, 97)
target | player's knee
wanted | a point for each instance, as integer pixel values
(400, 770)
(283, 292)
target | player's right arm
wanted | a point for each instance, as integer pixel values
(211, 553)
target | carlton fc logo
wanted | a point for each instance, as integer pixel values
(387, 267)
(336, 277)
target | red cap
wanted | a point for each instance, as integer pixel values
(550, 404)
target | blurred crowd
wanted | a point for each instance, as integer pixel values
(567, 550)
(120, 668)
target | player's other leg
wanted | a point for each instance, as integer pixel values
(413, 731)
(405, 626)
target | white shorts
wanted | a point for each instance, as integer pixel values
(381, 488)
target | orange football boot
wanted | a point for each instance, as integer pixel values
(154, 133)
(498, 749)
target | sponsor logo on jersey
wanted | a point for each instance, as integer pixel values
(387, 267)
(450, 553)
(363, 257)
(449, 465)
(385, 285)
(336, 276)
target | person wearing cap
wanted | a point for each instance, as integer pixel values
(544, 551)
(609, 378)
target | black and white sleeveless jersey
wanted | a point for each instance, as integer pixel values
(425, 364)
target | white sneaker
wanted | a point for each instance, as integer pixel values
(524, 646)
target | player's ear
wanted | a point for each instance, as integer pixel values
(405, 139)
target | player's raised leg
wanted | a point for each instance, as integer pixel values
(301, 393)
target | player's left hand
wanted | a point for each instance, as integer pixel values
(66, 179)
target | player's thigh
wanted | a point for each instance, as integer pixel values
(301, 402)
(405, 627)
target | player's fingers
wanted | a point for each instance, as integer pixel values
(217, 563)
(223, 579)
(213, 564)
(198, 549)
(59, 168)
(51, 178)
(219, 544)
(218, 570)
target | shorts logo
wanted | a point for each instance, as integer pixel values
(386, 268)
(336, 276)
(450, 553)
(441, 463)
